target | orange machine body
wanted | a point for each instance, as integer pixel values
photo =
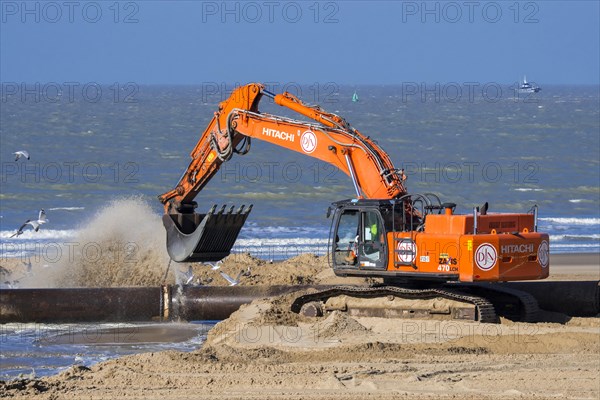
(505, 248)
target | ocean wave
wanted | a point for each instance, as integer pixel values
(528, 190)
(574, 246)
(66, 208)
(579, 238)
(572, 221)
(287, 231)
(42, 234)
(281, 248)
(281, 242)
(15, 254)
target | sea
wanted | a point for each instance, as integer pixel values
(95, 147)
(467, 144)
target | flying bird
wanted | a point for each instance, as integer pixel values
(28, 266)
(189, 276)
(35, 224)
(214, 266)
(21, 153)
(42, 219)
(232, 282)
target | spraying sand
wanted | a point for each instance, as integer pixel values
(122, 245)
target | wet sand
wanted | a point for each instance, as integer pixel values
(263, 351)
(585, 265)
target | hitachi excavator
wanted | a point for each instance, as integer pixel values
(385, 232)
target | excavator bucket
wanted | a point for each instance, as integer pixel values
(204, 237)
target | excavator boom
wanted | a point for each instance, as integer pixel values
(209, 237)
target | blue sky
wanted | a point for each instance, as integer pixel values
(347, 42)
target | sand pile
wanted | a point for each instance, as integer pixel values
(305, 269)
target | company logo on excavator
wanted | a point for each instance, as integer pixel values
(274, 133)
(516, 248)
(485, 256)
(543, 254)
(308, 142)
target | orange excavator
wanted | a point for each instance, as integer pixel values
(384, 232)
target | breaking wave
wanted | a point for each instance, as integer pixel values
(572, 221)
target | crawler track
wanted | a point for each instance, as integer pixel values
(485, 311)
(508, 302)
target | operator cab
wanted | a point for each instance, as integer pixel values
(360, 239)
(360, 228)
(360, 232)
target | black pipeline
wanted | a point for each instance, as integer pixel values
(574, 298)
(168, 303)
(133, 304)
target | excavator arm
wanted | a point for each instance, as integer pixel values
(214, 147)
(326, 136)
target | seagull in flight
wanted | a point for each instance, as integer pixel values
(214, 266)
(35, 224)
(28, 266)
(232, 282)
(189, 275)
(21, 153)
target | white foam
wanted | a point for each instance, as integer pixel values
(281, 242)
(281, 248)
(14, 254)
(579, 246)
(278, 230)
(572, 221)
(42, 234)
(66, 208)
(592, 236)
(528, 190)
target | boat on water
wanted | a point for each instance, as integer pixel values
(527, 87)
(355, 97)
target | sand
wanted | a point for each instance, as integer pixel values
(263, 351)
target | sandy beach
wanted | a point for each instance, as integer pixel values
(264, 351)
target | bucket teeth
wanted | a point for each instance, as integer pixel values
(204, 237)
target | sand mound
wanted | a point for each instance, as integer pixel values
(305, 269)
(339, 324)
